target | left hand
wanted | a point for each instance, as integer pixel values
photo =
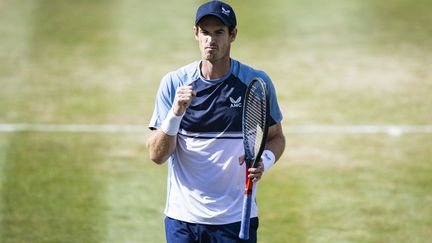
(254, 173)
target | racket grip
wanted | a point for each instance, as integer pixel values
(245, 221)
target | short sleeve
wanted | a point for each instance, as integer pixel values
(164, 100)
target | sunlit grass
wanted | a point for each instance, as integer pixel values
(349, 189)
(49, 193)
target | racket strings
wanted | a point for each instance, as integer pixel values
(255, 118)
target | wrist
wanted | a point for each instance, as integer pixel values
(171, 124)
(268, 159)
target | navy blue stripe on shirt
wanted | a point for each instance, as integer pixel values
(212, 137)
(216, 108)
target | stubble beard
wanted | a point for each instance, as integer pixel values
(210, 55)
(213, 56)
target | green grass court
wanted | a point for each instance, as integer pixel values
(100, 62)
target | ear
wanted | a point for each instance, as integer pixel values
(233, 34)
(196, 32)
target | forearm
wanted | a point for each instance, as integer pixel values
(276, 141)
(276, 145)
(162, 143)
(161, 146)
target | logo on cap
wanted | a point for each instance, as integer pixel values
(226, 12)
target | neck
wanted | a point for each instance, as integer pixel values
(215, 70)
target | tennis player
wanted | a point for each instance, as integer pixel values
(196, 126)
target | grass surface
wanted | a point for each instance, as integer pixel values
(333, 62)
(350, 189)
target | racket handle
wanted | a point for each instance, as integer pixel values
(245, 221)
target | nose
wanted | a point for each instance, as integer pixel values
(211, 39)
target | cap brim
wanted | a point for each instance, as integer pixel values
(224, 21)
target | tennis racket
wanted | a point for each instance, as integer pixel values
(255, 113)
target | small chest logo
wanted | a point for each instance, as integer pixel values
(235, 103)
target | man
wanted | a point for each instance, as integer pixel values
(197, 127)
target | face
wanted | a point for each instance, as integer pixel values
(214, 39)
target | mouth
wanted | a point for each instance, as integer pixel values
(211, 47)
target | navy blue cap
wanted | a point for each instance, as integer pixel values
(219, 9)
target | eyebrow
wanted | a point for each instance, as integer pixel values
(216, 30)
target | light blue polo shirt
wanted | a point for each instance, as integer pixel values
(205, 181)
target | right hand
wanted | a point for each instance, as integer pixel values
(182, 100)
(256, 173)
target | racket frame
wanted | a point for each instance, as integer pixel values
(250, 160)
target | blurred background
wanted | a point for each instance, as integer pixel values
(99, 62)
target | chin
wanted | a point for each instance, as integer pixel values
(210, 58)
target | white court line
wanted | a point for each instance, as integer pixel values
(73, 128)
(393, 130)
